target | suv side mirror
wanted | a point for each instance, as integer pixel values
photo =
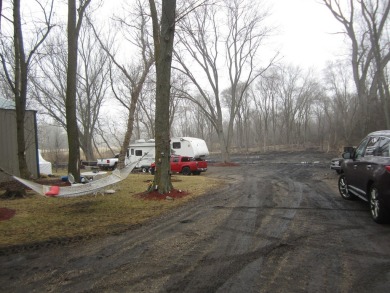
(347, 155)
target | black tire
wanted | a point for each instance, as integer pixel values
(343, 189)
(145, 170)
(378, 212)
(152, 171)
(186, 171)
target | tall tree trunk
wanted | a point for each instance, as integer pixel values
(163, 42)
(20, 89)
(133, 106)
(87, 145)
(130, 125)
(71, 118)
(223, 146)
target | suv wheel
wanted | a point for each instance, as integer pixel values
(378, 213)
(343, 189)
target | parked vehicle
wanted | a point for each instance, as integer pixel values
(335, 164)
(189, 146)
(366, 174)
(108, 164)
(184, 165)
(143, 151)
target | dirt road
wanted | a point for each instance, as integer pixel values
(279, 225)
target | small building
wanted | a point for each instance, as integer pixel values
(8, 141)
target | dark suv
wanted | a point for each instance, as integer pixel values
(366, 174)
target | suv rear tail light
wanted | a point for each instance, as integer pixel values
(387, 168)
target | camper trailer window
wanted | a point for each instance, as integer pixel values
(138, 153)
(132, 152)
(176, 145)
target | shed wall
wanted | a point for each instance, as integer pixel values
(8, 144)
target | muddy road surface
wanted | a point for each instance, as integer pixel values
(278, 225)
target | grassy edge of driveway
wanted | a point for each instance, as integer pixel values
(43, 219)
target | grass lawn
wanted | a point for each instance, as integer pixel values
(38, 218)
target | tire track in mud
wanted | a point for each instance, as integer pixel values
(272, 225)
(275, 227)
(249, 233)
(286, 267)
(298, 239)
(320, 239)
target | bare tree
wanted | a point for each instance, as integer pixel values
(146, 110)
(376, 16)
(163, 35)
(343, 109)
(1, 11)
(246, 32)
(49, 79)
(265, 99)
(132, 77)
(242, 112)
(92, 77)
(201, 38)
(296, 92)
(75, 19)
(365, 23)
(109, 134)
(16, 70)
(92, 87)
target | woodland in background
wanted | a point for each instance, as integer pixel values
(226, 87)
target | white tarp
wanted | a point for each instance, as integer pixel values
(44, 166)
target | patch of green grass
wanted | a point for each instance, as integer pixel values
(39, 218)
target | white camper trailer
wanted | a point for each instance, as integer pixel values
(189, 146)
(143, 151)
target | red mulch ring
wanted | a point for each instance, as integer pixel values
(6, 214)
(155, 195)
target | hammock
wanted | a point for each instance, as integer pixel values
(92, 187)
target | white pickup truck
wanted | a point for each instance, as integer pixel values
(108, 164)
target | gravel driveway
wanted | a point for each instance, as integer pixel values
(279, 225)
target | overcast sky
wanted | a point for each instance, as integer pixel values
(307, 32)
